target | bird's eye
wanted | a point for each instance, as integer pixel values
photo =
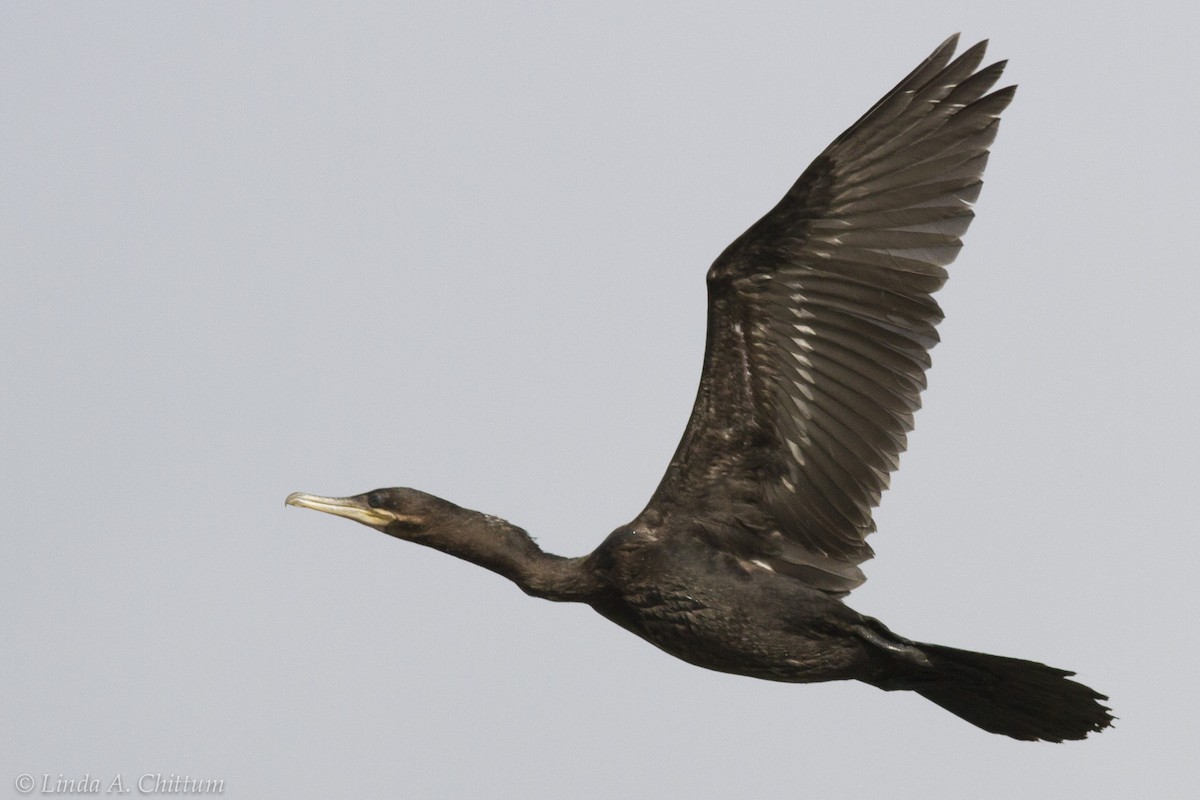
(375, 499)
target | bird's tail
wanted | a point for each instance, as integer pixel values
(1022, 699)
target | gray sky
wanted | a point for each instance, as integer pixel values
(249, 249)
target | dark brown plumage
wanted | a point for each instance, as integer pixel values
(821, 317)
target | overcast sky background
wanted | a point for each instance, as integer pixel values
(249, 249)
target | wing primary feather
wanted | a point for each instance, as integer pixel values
(894, 102)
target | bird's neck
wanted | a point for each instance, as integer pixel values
(565, 580)
(507, 550)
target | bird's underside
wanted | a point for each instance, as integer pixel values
(821, 318)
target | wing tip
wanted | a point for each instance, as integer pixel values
(949, 43)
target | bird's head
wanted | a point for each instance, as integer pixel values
(403, 513)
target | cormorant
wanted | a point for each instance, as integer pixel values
(820, 319)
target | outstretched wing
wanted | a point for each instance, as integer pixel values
(820, 320)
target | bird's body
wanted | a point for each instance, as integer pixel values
(707, 609)
(820, 321)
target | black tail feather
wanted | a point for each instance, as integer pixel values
(1022, 699)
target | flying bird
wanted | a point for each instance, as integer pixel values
(820, 321)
